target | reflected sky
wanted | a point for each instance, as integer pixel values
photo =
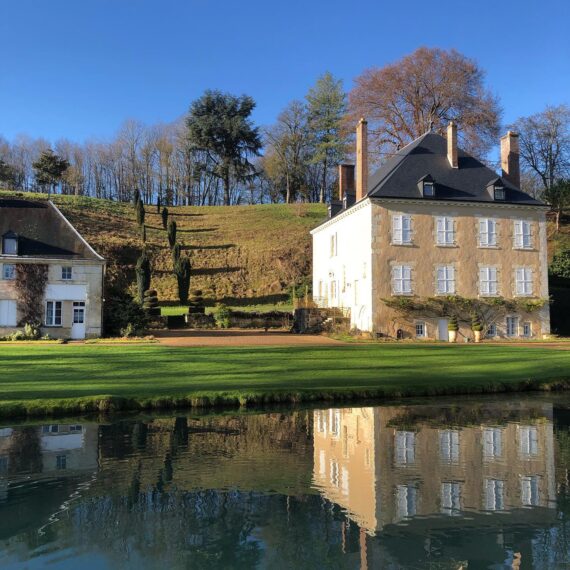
(477, 483)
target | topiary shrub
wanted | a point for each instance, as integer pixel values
(182, 270)
(164, 215)
(476, 325)
(139, 209)
(196, 305)
(222, 314)
(136, 198)
(158, 205)
(143, 272)
(453, 325)
(171, 232)
(175, 254)
(150, 303)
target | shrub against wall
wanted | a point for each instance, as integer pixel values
(120, 312)
(31, 280)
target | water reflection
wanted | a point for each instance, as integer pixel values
(482, 483)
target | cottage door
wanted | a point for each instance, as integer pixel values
(442, 330)
(78, 325)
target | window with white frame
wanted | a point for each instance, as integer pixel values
(494, 494)
(487, 232)
(420, 330)
(445, 280)
(406, 501)
(522, 234)
(53, 313)
(530, 490)
(402, 279)
(512, 326)
(401, 229)
(8, 313)
(488, 282)
(527, 328)
(405, 447)
(492, 443)
(449, 446)
(528, 441)
(8, 271)
(451, 498)
(492, 330)
(66, 273)
(445, 234)
(523, 281)
(61, 462)
(334, 245)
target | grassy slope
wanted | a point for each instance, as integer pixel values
(37, 379)
(237, 252)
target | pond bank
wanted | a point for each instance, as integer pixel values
(70, 379)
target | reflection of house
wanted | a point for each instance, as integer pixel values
(384, 467)
(43, 450)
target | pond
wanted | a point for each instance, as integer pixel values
(464, 483)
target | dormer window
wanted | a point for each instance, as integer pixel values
(429, 190)
(10, 244)
(499, 192)
(426, 185)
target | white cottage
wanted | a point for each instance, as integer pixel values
(35, 232)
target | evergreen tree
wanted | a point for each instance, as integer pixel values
(143, 272)
(6, 172)
(49, 169)
(164, 215)
(219, 125)
(136, 198)
(139, 208)
(326, 107)
(171, 231)
(158, 205)
(182, 270)
(175, 253)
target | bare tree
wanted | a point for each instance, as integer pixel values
(422, 91)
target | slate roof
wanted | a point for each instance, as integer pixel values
(42, 230)
(427, 155)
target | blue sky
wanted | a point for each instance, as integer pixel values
(77, 68)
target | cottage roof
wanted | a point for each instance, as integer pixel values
(42, 230)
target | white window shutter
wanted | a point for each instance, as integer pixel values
(406, 229)
(483, 232)
(451, 278)
(397, 278)
(397, 229)
(518, 233)
(483, 280)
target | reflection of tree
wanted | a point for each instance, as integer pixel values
(25, 454)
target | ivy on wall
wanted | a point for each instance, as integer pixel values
(486, 310)
(31, 282)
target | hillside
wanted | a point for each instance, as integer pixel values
(239, 254)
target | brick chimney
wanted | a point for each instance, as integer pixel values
(345, 180)
(452, 144)
(510, 158)
(361, 159)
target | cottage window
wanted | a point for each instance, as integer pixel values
(492, 330)
(445, 234)
(402, 280)
(449, 446)
(528, 441)
(66, 273)
(523, 281)
(512, 326)
(522, 234)
(429, 190)
(406, 500)
(401, 230)
(10, 244)
(9, 271)
(405, 447)
(446, 280)
(8, 313)
(420, 330)
(499, 193)
(61, 462)
(487, 233)
(53, 313)
(488, 283)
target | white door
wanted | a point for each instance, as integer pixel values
(78, 323)
(442, 330)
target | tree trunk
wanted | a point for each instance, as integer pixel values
(226, 186)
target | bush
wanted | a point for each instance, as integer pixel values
(222, 315)
(560, 266)
(121, 312)
(453, 325)
(171, 231)
(164, 215)
(143, 275)
(476, 325)
(139, 209)
(182, 270)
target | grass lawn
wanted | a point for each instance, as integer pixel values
(75, 378)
